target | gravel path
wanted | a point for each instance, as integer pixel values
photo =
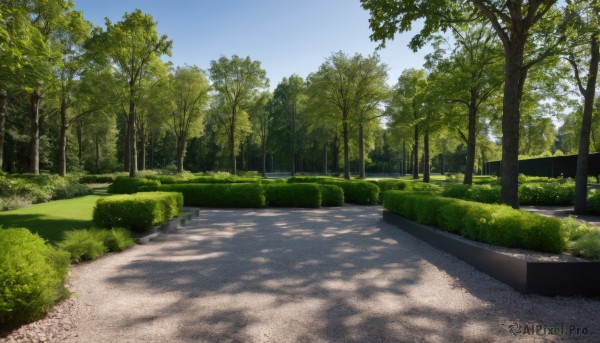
(290, 275)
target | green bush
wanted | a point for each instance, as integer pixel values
(32, 275)
(87, 245)
(481, 193)
(227, 179)
(417, 186)
(494, 224)
(220, 195)
(588, 245)
(332, 195)
(548, 193)
(138, 212)
(357, 192)
(129, 185)
(593, 202)
(293, 195)
(389, 185)
(96, 179)
(311, 179)
(25, 189)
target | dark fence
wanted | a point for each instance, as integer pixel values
(550, 166)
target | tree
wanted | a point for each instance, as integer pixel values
(288, 93)
(468, 77)
(130, 45)
(587, 20)
(190, 97)
(260, 116)
(407, 108)
(529, 32)
(342, 84)
(237, 82)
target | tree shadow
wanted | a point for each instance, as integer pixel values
(335, 275)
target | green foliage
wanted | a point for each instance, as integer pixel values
(593, 202)
(128, 185)
(87, 245)
(417, 186)
(481, 193)
(96, 179)
(388, 185)
(32, 275)
(293, 195)
(24, 189)
(220, 195)
(494, 224)
(547, 193)
(332, 195)
(311, 179)
(138, 212)
(357, 192)
(588, 245)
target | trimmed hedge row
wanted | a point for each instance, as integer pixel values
(551, 193)
(96, 179)
(32, 275)
(129, 185)
(138, 212)
(219, 195)
(495, 224)
(332, 195)
(293, 195)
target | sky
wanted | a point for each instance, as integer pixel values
(287, 36)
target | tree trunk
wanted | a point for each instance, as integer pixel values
(232, 168)
(132, 139)
(471, 138)
(97, 154)
(243, 156)
(514, 77)
(293, 152)
(426, 161)
(126, 146)
(361, 151)
(180, 153)
(336, 156)
(403, 168)
(415, 154)
(325, 158)
(263, 150)
(79, 141)
(143, 150)
(151, 137)
(34, 143)
(346, 151)
(584, 136)
(62, 150)
(3, 114)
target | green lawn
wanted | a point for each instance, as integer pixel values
(51, 219)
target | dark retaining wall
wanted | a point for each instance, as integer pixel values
(549, 166)
(547, 278)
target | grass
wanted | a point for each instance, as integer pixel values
(51, 219)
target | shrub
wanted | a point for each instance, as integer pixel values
(455, 178)
(417, 186)
(220, 195)
(138, 212)
(457, 191)
(129, 185)
(593, 202)
(13, 202)
(32, 275)
(357, 192)
(388, 185)
(588, 245)
(311, 179)
(332, 195)
(228, 179)
(548, 193)
(293, 195)
(494, 224)
(87, 245)
(96, 179)
(83, 245)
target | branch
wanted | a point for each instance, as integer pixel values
(577, 77)
(489, 13)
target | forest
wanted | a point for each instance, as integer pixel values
(505, 80)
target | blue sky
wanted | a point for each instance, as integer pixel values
(287, 36)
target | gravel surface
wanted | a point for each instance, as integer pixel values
(293, 275)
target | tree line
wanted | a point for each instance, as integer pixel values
(75, 97)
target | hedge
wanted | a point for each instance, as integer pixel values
(332, 195)
(32, 275)
(547, 193)
(293, 195)
(495, 224)
(138, 212)
(357, 192)
(219, 195)
(389, 185)
(129, 185)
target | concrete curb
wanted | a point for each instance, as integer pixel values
(188, 213)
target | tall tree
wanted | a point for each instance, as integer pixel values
(587, 21)
(529, 32)
(190, 97)
(260, 116)
(130, 45)
(341, 83)
(288, 93)
(237, 82)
